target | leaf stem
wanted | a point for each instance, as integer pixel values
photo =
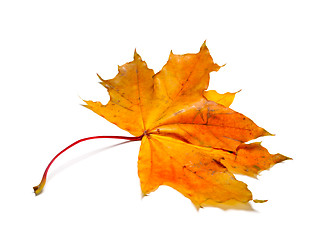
(38, 189)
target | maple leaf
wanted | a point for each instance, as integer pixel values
(190, 139)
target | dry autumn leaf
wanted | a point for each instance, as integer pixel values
(190, 139)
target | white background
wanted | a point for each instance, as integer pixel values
(50, 53)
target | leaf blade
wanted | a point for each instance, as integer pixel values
(194, 171)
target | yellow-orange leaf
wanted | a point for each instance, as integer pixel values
(191, 140)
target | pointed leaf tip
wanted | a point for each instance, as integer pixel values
(204, 46)
(269, 134)
(136, 55)
(259, 201)
(280, 158)
(100, 77)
